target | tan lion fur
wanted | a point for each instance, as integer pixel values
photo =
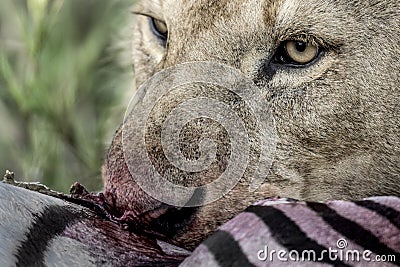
(338, 120)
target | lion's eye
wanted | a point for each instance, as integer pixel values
(297, 53)
(159, 29)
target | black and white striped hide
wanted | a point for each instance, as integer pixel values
(38, 230)
(370, 226)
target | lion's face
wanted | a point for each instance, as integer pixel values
(330, 72)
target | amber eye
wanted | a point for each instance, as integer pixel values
(159, 28)
(301, 52)
(297, 53)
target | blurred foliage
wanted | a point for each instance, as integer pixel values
(64, 72)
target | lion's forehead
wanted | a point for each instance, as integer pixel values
(248, 13)
(207, 14)
(196, 19)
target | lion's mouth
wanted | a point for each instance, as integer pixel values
(167, 221)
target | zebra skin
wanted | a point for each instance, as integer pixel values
(301, 231)
(38, 230)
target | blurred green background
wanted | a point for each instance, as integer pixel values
(65, 75)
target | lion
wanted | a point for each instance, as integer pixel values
(329, 72)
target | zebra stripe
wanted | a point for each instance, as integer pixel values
(228, 255)
(287, 233)
(371, 224)
(351, 211)
(38, 230)
(246, 226)
(352, 230)
(31, 227)
(51, 222)
(302, 216)
(389, 213)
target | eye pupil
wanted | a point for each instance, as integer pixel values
(301, 46)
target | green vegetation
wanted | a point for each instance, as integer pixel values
(64, 72)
